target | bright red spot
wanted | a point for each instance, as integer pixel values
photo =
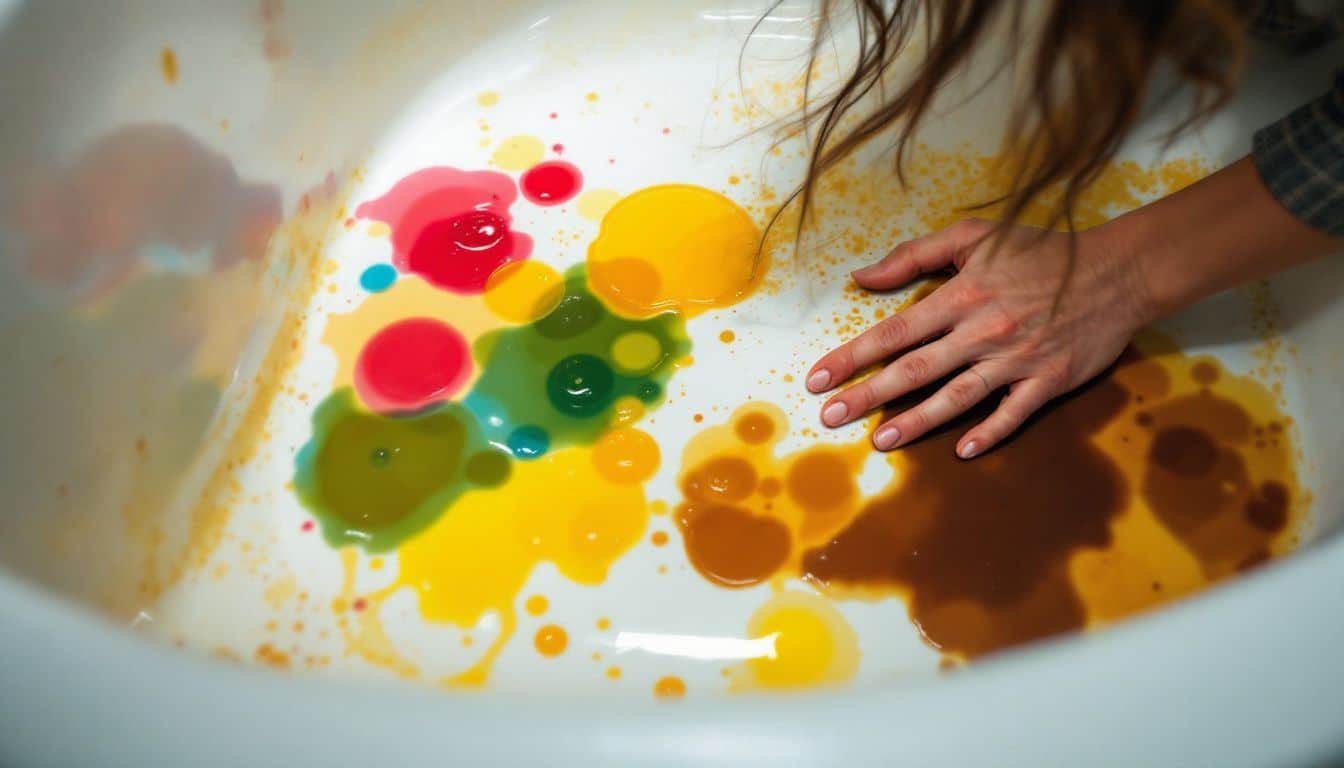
(411, 364)
(451, 227)
(359, 604)
(557, 148)
(307, 526)
(551, 183)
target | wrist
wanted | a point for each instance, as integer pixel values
(1139, 261)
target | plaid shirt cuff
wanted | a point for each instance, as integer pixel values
(1301, 159)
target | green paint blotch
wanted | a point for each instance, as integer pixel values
(375, 480)
(556, 375)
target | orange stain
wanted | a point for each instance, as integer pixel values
(536, 605)
(551, 640)
(659, 538)
(670, 687)
(168, 65)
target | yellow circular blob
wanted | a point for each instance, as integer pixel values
(487, 98)
(595, 203)
(636, 352)
(518, 153)
(813, 644)
(674, 248)
(537, 605)
(523, 291)
(626, 456)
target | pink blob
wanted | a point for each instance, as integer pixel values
(451, 227)
(551, 183)
(411, 364)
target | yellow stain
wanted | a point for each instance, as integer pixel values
(813, 644)
(523, 291)
(487, 98)
(518, 153)
(595, 203)
(674, 247)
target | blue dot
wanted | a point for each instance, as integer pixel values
(378, 278)
(529, 442)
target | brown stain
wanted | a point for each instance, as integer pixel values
(1163, 476)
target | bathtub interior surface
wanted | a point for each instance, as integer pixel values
(151, 345)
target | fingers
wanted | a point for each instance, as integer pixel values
(953, 399)
(1025, 398)
(889, 337)
(905, 374)
(921, 256)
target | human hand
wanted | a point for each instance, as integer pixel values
(994, 324)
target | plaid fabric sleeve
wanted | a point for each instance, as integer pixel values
(1301, 159)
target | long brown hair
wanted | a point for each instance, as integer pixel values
(1088, 67)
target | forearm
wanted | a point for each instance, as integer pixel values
(1216, 234)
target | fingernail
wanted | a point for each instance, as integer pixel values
(819, 380)
(969, 450)
(886, 438)
(834, 413)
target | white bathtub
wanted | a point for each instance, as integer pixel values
(261, 105)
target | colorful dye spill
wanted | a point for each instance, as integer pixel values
(484, 421)
(1163, 476)
(451, 227)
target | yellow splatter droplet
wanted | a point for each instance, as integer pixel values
(604, 623)
(551, 640)
(523, 291)
(518, 153)
(595, 203)
(379, 229)
(168, 65)
(670, 687)
(487, 98)
(636, 352)
(813, 644)
(537, 605)
(613, 673)
(727, 337)
(626, 456)
(704, 253)
(592, 96)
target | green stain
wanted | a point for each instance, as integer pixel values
(556, 376)
(374, 480)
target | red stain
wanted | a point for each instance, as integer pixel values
(551, 183)
(359, 604)
(307, 526)
(451, 227)
(558, 148)
(666, 131)
(554, 115)
(411, 364)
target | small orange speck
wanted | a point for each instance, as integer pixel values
(734, 180)
(168, 64)
(662, 569)
(699, 417)
(659, 538)
(604, 623)
(670, 687)
(727, 337)
(536, 605)
(613, 673)
(592, 96)
(467, 641)
(551, 640)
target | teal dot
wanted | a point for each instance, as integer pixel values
(581, 385)
(575, 313)
(529, 442)
(649, 392)
(489, 468)
(378, 278)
